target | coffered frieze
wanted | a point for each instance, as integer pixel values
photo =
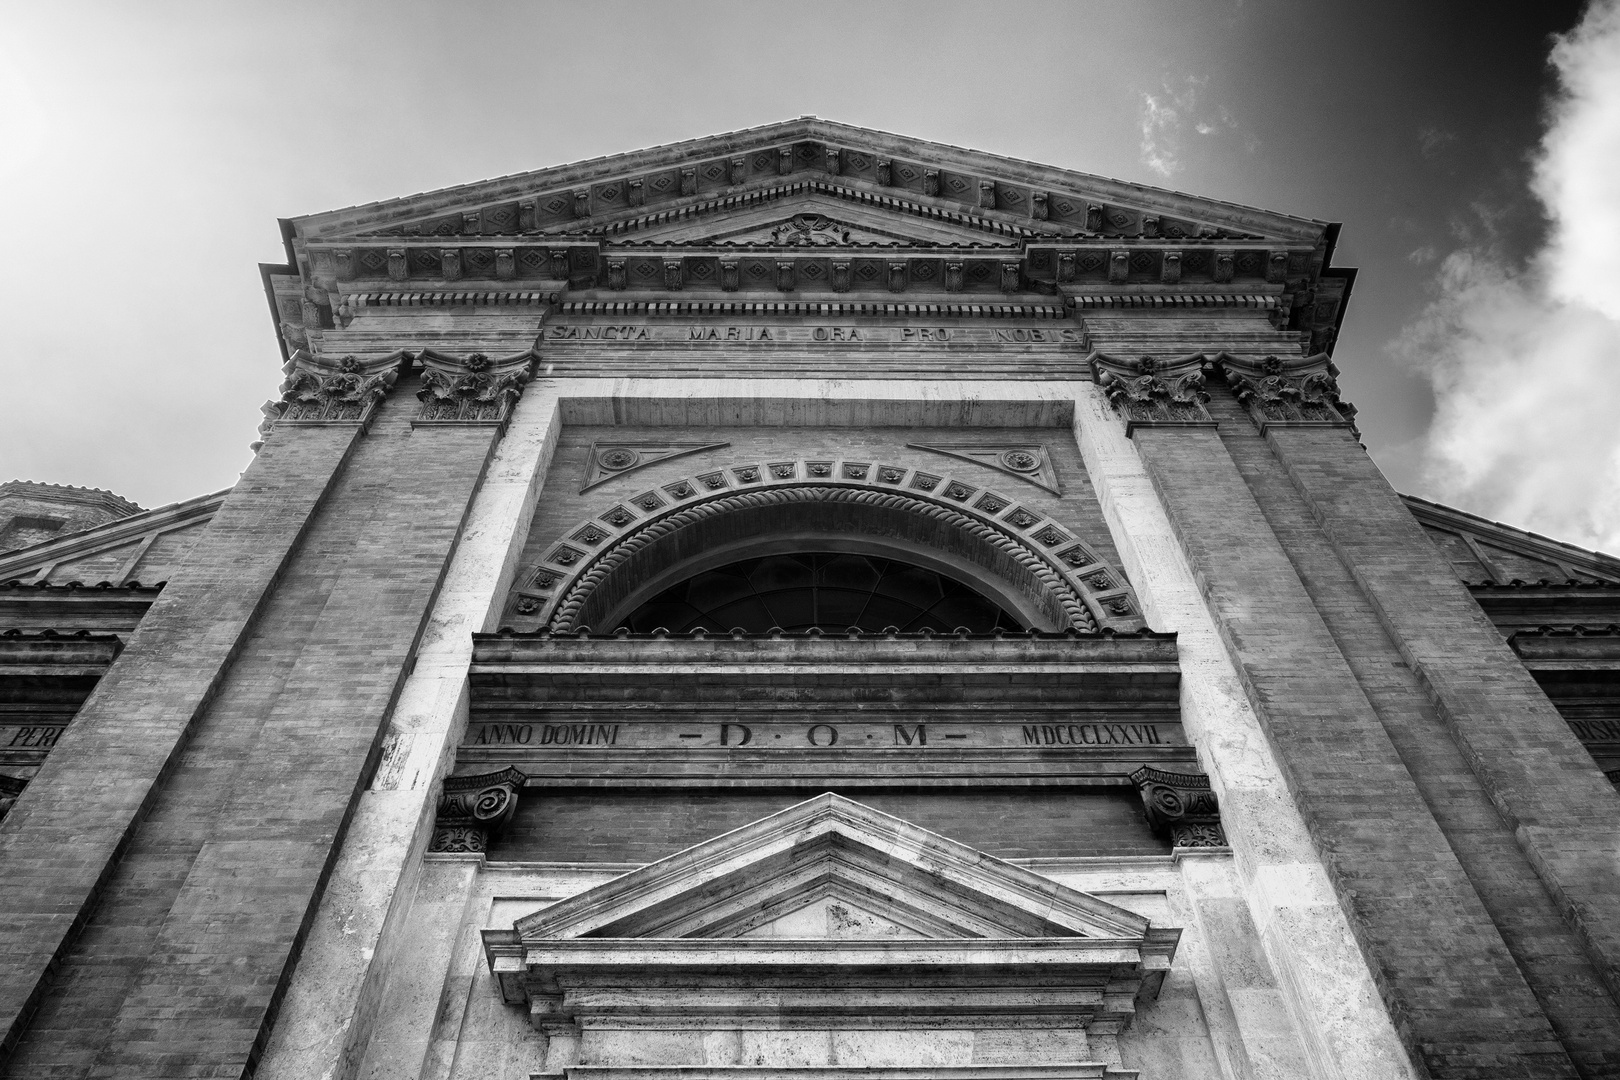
(996, 205)
(832, 269)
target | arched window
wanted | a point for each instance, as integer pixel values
(830, 590)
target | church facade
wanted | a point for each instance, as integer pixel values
(814, 604)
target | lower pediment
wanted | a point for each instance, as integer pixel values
(826, 919)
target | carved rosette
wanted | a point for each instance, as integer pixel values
(1150, 392)
(472, 809)
(1181, 806)
(322, 391)
(473, 389)
(1296, 392)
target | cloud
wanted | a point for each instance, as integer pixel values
(1166, 117)
(1433, 140)
(1525, 360)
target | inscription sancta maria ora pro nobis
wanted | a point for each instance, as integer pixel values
(812, 334)
(777, 735)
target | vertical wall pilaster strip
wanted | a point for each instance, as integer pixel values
(332, 1000)
(1561, 810)
(217, 968)
(1464, 1014)
(65, 835)
(1565, 982)
(1286, 887)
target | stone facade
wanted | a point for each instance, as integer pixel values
(812, 603)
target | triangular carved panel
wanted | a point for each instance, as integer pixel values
(606, 460)
(770, 220)
(842, 918)
(1029, 462)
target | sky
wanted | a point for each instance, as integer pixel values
(147, 149)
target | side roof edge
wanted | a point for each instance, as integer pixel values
(30, 561)
(1520, 541)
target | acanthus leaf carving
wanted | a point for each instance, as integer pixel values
(1152, 392)
(1291, 392)
(810, 230)
(475, 389)
(1181, 806)
(318, 390)
(472, 809)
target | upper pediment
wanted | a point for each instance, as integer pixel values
(979, 191)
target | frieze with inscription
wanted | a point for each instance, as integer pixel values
(796, 735)
(796, 334)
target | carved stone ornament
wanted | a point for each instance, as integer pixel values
(1027, 461)
(472, 809)
(605, 460)
(1295, 392)
(318, 390)
(472, 389)
(1181, 806)
(1150, 392)
(809, 230)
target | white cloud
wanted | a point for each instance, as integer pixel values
(1161, 126)
(1525, 362)
(1165, 117)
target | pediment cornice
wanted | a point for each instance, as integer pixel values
(679, 891)
(717, 169)
(702, 923)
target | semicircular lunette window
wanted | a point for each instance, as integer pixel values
(830, 590)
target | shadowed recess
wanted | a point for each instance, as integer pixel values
(820, 589)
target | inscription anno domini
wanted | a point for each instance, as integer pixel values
(776, 735)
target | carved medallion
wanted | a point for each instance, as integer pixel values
(606, 460)
(1030, 463)
(810, 230)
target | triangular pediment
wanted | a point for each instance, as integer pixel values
(1486, 552)
(148, 546)
(827, 868)
(821, 218)
(987, 191)
(831, 893)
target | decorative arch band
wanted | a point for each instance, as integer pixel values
(597, 565)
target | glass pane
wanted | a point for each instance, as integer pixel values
(829, 590)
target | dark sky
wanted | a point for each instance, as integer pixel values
(152, 147)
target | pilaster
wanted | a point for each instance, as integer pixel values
(332, 1002)
(62, 840)
(1561, 811)
(1321, 973)
(1369, 821)
(218, 966)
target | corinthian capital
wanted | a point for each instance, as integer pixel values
(319, 390)
(471, 389)
(1301, 391)
(1150, 392)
